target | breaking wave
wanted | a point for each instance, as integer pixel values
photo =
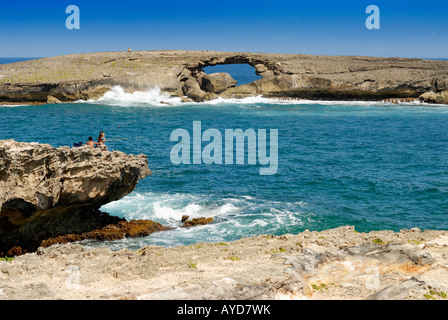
(153, 96)
(233, 218)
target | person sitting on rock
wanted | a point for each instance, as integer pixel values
(91, 143)
(102, 140)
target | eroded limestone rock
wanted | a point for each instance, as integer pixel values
(298, 76)
(332, 264)
(217, 82)
(46, 192)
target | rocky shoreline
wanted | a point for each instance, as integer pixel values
(332, 264)
(50, 200)
(179, 73)
(120, 230)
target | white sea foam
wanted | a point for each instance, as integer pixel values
(153, 96)
(169, 208)
(13, 105)
(193, 210)
(234, 217)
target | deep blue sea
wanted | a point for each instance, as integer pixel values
(372, 165)
(12, 60)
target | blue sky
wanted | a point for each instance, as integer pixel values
(408, 28)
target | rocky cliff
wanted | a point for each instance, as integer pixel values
(179, 73)
(46, 192)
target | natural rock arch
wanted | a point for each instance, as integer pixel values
(197, 84)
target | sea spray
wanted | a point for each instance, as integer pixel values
(153, 96)
(233, 217)
(117, 96)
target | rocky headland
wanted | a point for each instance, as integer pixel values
(179, 73)
(53, 195)
(47, 192)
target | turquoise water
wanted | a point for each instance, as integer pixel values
(374, 166)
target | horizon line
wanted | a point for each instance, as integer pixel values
(340, 55)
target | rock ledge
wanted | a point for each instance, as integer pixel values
(332, 264)
(47, 192)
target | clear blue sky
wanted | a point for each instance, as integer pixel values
(408, 28)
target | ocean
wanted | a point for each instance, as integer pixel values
(372, 165)
(12, 60)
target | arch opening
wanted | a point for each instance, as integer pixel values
(243, 73)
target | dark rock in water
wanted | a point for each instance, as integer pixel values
(61, 240)
(117, 231)
(132, 229)
(197, 221)
(185, 218)
(47, 192)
